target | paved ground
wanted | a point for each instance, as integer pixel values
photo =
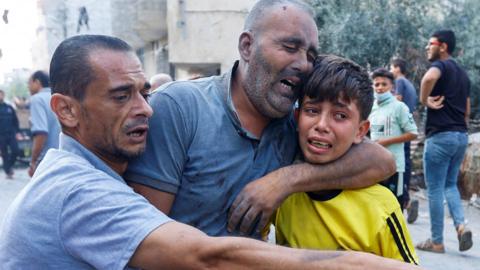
(420, 230)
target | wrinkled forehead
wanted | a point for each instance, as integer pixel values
(288, 17)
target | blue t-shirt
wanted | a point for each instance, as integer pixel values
(405, 88)
(198, 150)
(76, 213)
(455, 86)
(43, 120)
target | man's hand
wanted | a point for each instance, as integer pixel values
(435, 102)
(256, 204)
(31, 169)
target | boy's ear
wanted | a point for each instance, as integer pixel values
(362, 131)
(66, 108)
(245, 42)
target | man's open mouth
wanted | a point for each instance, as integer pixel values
(137, 132)
(288, 83)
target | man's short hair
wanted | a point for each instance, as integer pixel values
(70, 70)
(42, 77)
(258, 11)
(383, 72)
(448, 37)
(401, 64)
(336, 78)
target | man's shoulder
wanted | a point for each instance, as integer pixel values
(190, 95)
(191, 88)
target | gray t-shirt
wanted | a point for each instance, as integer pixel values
(76, 213)
(43, 120)
(198, 150)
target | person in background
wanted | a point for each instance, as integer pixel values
(445, 91)
(159, 79)
(9, 129)
(392, 124)
(405, 92)
(45, 127)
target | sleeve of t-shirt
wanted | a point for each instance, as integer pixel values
(38, 116)
(161, 165)
(400, 88)
(395, 241)
(103, 222)
(405, 119)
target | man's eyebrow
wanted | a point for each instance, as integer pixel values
(121, 88)
(128, 87)
(292, 40)
(299, 42)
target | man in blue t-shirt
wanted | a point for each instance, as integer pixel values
(405, 92)
(445, 91)
(220, 148)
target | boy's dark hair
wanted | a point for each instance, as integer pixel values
(42, 77)
(70, 69)
(401, 64)
(335, 78)
(382, 72)
(446, 36)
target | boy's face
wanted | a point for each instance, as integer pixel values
(382, 85)
(327, 130)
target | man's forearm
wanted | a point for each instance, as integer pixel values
(363, 165)
(37, 146)
(203, 252)
(428, 82)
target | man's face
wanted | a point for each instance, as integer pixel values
(282, 55)
(34, 86)
(382, 85)
(395, 71)
(326, 130)
(114, 113)
(433, 49)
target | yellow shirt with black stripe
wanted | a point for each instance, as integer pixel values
(368, 219)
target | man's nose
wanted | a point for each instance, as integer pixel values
(142, 106)
(302, 64)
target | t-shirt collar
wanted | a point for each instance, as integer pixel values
(71, 145)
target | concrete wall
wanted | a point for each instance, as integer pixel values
(204, 32)
(196, 37)
(59, 19)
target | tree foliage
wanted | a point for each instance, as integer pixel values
(372, 32)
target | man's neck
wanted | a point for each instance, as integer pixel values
(250, 118)
(444, 56)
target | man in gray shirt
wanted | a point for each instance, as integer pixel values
(44, 125)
